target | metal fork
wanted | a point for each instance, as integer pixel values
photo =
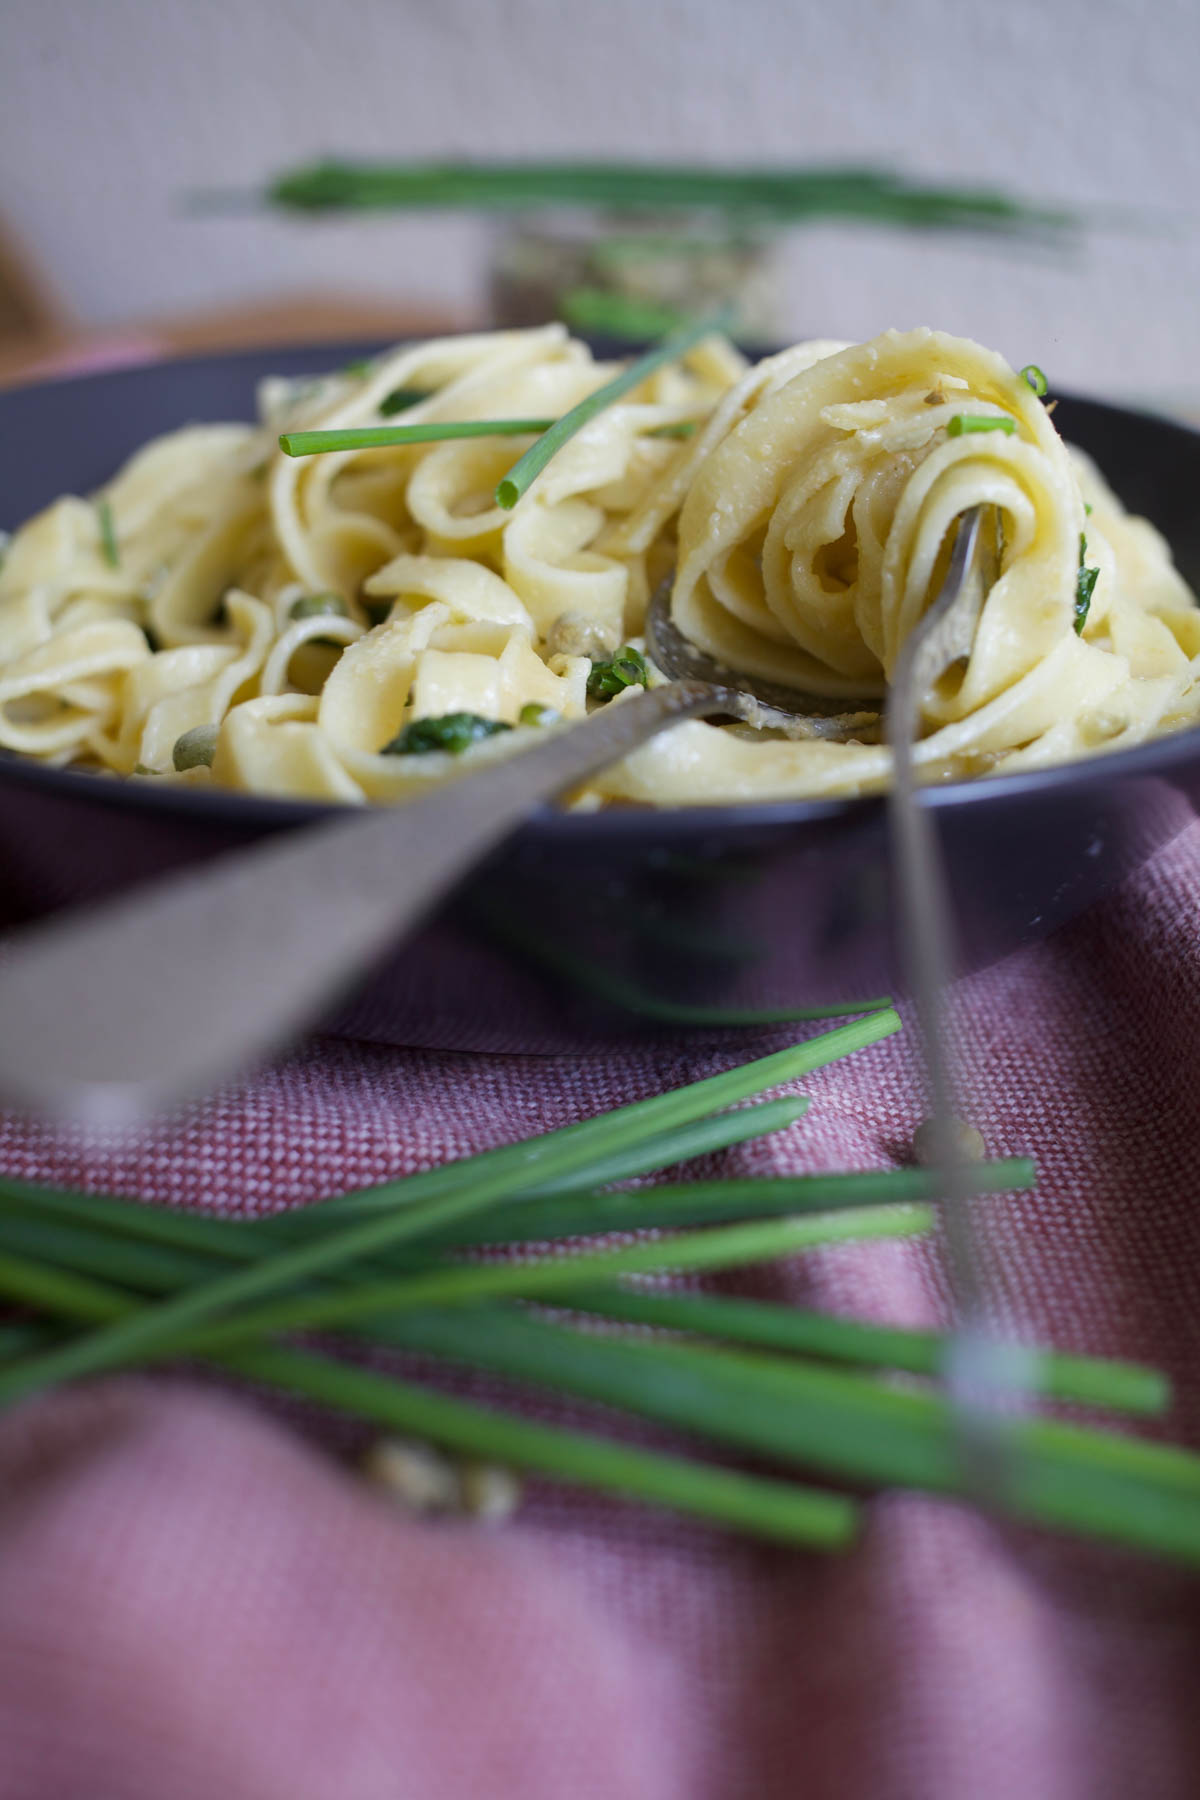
(162, 992)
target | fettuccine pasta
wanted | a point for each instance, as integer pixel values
(223, 613)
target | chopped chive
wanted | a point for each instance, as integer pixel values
(1037, 381)
(359, 368)
(1085, 584)
(625, 669)
(108, 534)
(383, 437)
(454, 732)
(401, 398)
(1088, 509)
(526, 470)
(439, 1198)
(534, 713)
(963, 423)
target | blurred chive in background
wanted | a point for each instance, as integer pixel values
(1021, 173)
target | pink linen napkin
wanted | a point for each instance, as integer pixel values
(195, 1601)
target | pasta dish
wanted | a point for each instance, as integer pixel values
(355, 624)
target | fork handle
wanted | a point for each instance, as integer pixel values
(162, 992)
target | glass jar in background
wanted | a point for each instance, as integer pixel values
(634, 276)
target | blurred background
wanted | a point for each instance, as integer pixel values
(117, 113)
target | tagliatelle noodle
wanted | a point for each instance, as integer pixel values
(808, 519)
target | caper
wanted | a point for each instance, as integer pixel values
(196, 748)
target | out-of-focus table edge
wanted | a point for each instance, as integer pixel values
(306, 319)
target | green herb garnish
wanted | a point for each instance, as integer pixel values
(108, 534)
(1085, 583)
(1037, 381)
(319, 606)
(534, 713)
(383, 437)
(115, 1283)
(763, 195)
(677, 428)
(358, 369)
(386, 437)
(400, 399)
(452, 731)
(525, 471)
(196, 748)
(437, 1198)
(963, 423)
(626, 669)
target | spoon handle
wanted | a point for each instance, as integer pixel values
(162, 992)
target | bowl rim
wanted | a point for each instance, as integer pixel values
(227, 806)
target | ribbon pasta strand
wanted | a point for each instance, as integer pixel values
(306, 612)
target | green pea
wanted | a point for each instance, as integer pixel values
(196, 748)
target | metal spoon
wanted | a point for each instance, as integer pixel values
(162, 992)
(777, 707)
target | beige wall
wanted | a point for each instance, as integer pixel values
(114, 108)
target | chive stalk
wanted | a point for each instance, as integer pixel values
(849, 1425)
(781, 1511)
(237, 1237)
(563, 1152)
(675, 345)
(778, 195)
(726, 1247)
(386, 437)
(1055, 1374)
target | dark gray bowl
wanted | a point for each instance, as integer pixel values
(708, 921)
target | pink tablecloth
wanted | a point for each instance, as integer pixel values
(193, 1601)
